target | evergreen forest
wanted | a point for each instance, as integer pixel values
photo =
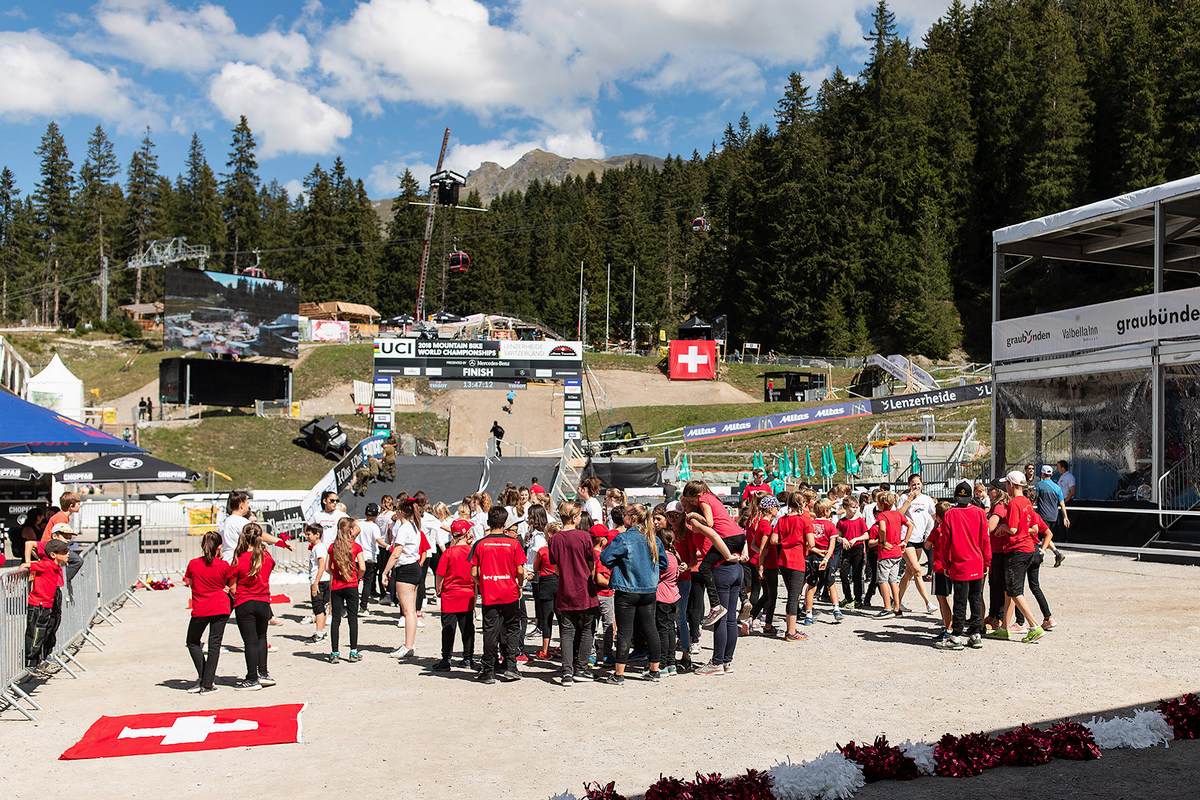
(857, 219)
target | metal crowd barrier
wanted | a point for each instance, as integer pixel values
(166, 551)
(107, 575)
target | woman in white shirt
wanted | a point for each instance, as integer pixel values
(481, 504)
(429, 525)
(404, 570)
(327, 517)
(238, 509)
(588, 489)
(384, 520)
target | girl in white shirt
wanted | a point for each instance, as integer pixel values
(481, 504)
(404, 570)
(588, 489)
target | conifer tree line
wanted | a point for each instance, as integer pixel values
(857, 219)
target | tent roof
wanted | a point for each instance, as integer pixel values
(1118, 231)
(338, 309)
(15, 471)
(132, 468)
(694, 322)
(29, 428)
(55, 372)
(143, 308)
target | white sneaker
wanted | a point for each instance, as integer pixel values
(402, 652)
(308, 620)
(420, 622)
(400, 623)
(695, 649)
(932, 607)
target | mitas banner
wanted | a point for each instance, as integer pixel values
(693, 360)
(1169, 315)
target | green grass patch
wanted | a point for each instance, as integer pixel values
(259, 453)
(327, 366)
(113, 367)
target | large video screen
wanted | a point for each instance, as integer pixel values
(234, 315)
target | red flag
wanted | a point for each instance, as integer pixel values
(693, 360)
(185, 731)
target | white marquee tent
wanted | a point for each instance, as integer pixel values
(57, 388)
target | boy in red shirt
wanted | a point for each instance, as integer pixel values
(44, 604)
(456, 594)
(498, 567)
(70, 503)
(821, 564)
(964, 550)
(890, 533)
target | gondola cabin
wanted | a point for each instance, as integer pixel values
(459, 262)
(700, 225)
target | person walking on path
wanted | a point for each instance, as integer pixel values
(497, 434)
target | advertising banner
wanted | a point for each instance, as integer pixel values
(693, 360)
(1170, 315)
(847, 410)
(491, 359)
(330, 330)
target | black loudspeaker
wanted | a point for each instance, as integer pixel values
(221, 383)
(447, 193)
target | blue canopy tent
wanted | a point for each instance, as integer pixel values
(29, 428)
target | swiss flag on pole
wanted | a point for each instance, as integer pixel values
(693, 360)
(182, 731)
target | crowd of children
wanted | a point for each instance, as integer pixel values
(619, 580)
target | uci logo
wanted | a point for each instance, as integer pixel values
(402, 348)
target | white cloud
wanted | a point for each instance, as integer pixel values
(160, 36)
(384, 180)
(294, 189)
(43, 79)
(284, 116)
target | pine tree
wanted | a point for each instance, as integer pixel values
(10, 245)
(401, 257)
(240, 195)
(142, 201)
(53, 202)
(200, 219)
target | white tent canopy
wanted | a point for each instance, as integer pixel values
(57, 389)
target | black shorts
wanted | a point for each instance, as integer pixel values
(1016, 567)
(407, 573)
(321, 599)
(942, 586)
(813, 574)
(916, 545)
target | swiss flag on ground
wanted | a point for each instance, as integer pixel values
(183, 731)
(693, 360)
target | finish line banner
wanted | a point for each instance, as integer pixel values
(848, 410)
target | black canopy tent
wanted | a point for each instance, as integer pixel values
(695, 329)
(15, 471)
(126, 469)
(624, 473)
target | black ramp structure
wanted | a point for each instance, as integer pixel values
(499, 472)
(624, 473)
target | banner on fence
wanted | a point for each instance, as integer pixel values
(835, 411)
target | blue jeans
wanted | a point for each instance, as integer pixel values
(681, 622)
(728, 578)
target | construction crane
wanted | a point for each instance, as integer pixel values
(443, 191)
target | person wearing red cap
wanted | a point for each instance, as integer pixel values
(456, 596)
(601, 536)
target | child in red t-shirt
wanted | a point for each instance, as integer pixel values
(346, 563)
(852, 529)
(604, 594)
(41, 619)
(938, 543)
(821, 564)
(707, 516)
(456, 596)
(546, 589)
(208, 578)
(890, 532)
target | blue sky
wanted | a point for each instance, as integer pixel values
(377, 81)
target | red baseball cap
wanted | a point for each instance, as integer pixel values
(460, 525)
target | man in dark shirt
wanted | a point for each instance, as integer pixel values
(571, 552)
(498, 434)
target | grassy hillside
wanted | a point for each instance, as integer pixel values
(113, 367)
(259, 452)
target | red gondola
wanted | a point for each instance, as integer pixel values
(700, 225)
(459, 262)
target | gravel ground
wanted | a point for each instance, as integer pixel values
(1126, 637)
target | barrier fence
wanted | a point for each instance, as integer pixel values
(106, 576)
(166, 551)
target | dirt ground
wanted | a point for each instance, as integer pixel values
(536, 421)
(1127, 636)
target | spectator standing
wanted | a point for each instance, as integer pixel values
(575, 603)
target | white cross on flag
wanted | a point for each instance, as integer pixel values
(693, 360)
(176, 732)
